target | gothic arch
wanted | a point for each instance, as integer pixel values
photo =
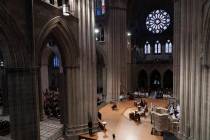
(66, 39)
(68, 47)
(155, 79)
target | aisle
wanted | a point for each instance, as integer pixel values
(124, 128)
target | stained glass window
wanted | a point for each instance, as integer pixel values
(147, 48)
(168, 47)
(157, 47)
(158, 21)
(100, 7)
(56, 61)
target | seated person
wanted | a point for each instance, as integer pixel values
(99, 116)
(114, 106)
(141, 103)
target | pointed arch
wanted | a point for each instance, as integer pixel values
(155, 79)
(66, 39)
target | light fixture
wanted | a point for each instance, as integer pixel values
(66, 9)
(129, 34)
(96, 31)
(1, 63)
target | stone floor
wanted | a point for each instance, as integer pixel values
(51, 130)
(125, 129)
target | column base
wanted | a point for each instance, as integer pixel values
(181, 136)
(74, 132)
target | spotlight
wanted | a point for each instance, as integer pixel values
(129, 34)
(96, 30)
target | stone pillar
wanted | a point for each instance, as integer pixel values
(129, 64)
(208, 108)
(176, 48)
(116, 49)
(104, 81)
(72, 106)
(187, 54)
(22, 102)
(44, 85)
(44, 77)
(83, 103)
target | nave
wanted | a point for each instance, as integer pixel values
(123, 127)
(61, 60)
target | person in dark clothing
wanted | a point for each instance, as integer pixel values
(99, 115)
(90, 127)
(113, 136)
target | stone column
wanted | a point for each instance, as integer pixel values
(104, 81)
(44, 85)
(22, 102)
(129, 64)
(44, 77)
(176, 48)
(116, 49)
(208, 108)
(188, 31)
(83, 103)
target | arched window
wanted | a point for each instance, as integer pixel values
(56, 61)
(100, 7)
(147, 48)
(157, 47)
(100, 34)
(168, 47)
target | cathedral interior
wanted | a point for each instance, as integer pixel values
(104, 70)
